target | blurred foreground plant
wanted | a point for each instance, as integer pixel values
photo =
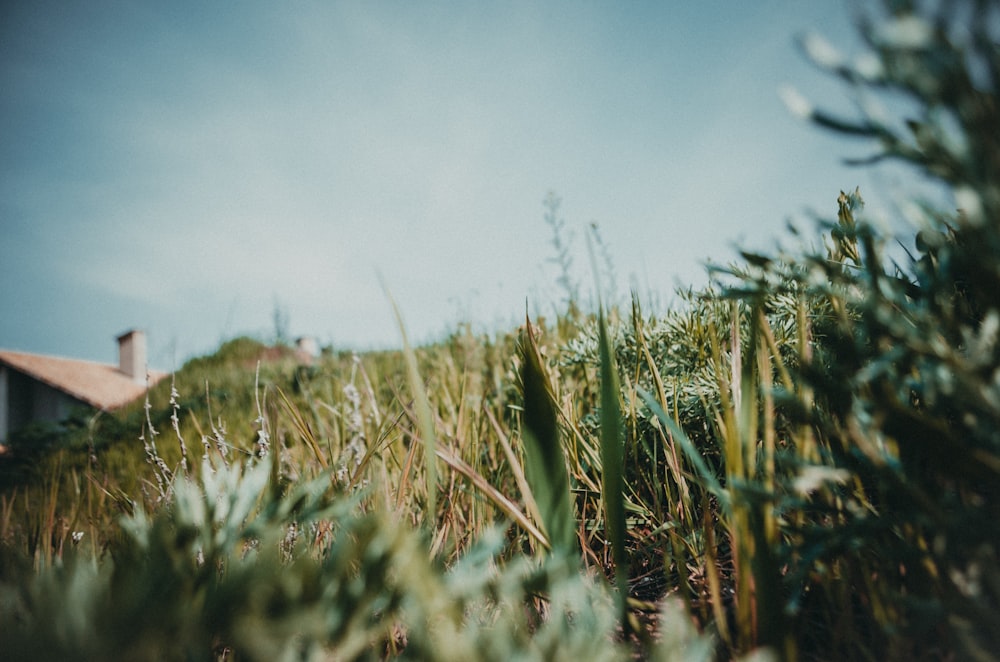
(233, 569)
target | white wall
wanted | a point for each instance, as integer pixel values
(4, 404)
(24, 399)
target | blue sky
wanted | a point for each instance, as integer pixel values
(187, 167)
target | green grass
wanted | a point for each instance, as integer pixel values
(799, 462)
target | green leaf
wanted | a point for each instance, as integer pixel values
(612, 461)
(545, 467)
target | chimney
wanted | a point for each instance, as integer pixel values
(132, 355)
(307, 349)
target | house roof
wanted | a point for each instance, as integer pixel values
(100, 385)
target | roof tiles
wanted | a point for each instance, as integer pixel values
(98, 384)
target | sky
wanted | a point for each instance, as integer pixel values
(198, 170)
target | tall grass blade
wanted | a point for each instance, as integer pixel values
(612, 462)
(612, 432)
(425, 421)
(545, 467)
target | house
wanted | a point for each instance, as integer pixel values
(38, 388)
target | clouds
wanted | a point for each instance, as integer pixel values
(183, 168)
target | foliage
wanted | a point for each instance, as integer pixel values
(234, 567)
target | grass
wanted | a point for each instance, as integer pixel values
(799, 462)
